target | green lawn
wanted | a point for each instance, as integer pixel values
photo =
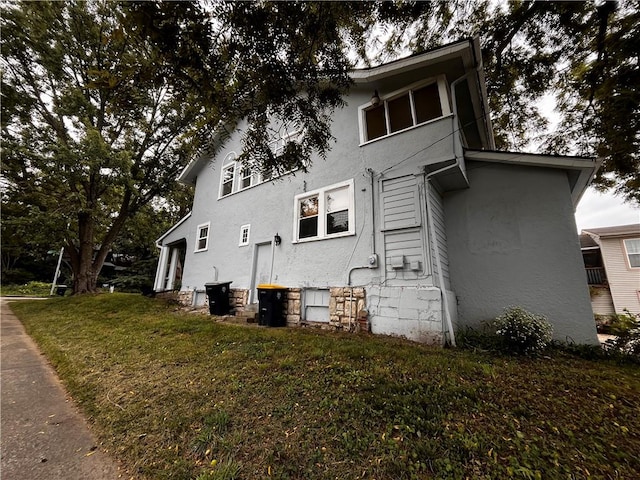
(176, 395)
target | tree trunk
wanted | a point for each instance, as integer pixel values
(86, 262)
(85, 276)
(84, 281)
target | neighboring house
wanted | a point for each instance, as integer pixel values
(612, 259)
(413, 222)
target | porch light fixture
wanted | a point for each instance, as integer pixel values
(375, 99)
(277, 240)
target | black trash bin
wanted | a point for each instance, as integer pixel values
(61, 289)
(218, 294)
(271, 300)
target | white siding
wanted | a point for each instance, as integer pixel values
(601, 302)
(624, 281)
(401, 224)
(400, 206)
(437, 222)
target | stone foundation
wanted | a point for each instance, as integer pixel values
(238, 299)
(185, 297)
(292, 307)
(347, 308)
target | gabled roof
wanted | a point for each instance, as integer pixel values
(617, 231)
(172, 229)
(580, 170)
(587, 242)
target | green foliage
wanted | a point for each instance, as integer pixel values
(109, 139)
(582, 54)
(521, 331)
(221, 470)
(626, 328)
(30, 289)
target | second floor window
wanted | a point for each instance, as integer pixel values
(405, 109)
(632, 248)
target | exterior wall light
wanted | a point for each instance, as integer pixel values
(277, 240)
(375, 99)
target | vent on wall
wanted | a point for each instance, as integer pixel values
(397, 262)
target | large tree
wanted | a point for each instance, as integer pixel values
(584, 54)
(92, 132)
(104, 103)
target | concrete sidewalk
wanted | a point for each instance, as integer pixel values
(43, 435)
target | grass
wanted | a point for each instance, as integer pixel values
(178, 396)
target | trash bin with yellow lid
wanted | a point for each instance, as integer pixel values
(271, 300)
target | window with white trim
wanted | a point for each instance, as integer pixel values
(325, 213)
(404, 109)
(632, 249)
(202, 237)
(244, 235)
(236, 177)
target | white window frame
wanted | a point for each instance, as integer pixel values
(321, 193)
(256, 178)
(443, 92)
(229, 162)
(244, 239)
(199, 229)
(627, 253)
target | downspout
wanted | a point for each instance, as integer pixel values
(373, 229)
(273, 256)
(434, 242)
(373, 212)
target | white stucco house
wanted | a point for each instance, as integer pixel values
(414, 223)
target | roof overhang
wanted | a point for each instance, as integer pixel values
(580, 170)
(172, 229)
(459, 49)
(190, 172)
(620, 231)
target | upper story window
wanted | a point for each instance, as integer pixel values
(236, 176)
(632, 249)
(404, 109)
(202, 237)
(325, 213)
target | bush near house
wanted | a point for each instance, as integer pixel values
(523, 332)
(626, 328)
(178, 395)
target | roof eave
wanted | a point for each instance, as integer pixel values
(585, 166)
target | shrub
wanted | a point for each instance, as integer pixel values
(521, 331)
(626, 327)
(39, 289)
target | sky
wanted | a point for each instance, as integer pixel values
(598, 209)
